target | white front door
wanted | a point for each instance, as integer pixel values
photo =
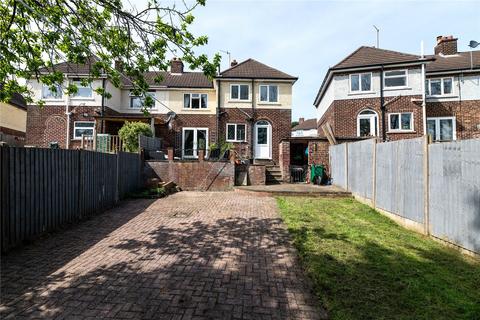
(192, 140)
(263, 140)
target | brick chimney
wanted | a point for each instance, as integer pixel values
(233, 63)
(176, 65)
(301, 120)
(118, 65)
(446, 45)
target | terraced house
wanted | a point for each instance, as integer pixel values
(248, 105)
(395, 95)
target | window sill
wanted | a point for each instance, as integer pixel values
(442, 96)
(236, 141)
(237, 101)
(268, 103)
(52, 100)
(355, 93)
(396, 88)
(195, 110)
(83, 99)
(401, 131)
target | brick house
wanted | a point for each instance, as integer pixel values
(394, 95)
(248, 105)
(13, 118)
(305, 128)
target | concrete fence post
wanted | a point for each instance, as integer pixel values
(374, 175)
(346, 166)
(426, 186)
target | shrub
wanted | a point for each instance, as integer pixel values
(129, 134)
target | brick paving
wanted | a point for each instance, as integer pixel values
(191, 255)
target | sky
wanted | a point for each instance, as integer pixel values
(304, 38)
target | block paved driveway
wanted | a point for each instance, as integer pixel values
(192, 255)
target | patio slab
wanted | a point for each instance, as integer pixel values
(294, 189)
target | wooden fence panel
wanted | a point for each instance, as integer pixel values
(43, 189)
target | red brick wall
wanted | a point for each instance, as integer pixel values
(342, 116)
(467, 115)
(194, 175)
(256, 175)
(50, 124)
(284, 160)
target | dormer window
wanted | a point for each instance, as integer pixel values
(395, 79)
(361, 82)
(439, 87)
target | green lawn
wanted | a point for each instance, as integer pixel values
(364, 266)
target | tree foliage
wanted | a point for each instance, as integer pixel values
(129, 133)
(37, 34)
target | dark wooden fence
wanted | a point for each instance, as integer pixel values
(43, 189)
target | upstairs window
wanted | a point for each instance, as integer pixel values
(138, 102)
(400, 121)
(269, 93)
(439, 87)
(47, 93)
(82, 91)
(235, 132)
(195, 100)
(395, 79)
(361, 82)
(239, 92)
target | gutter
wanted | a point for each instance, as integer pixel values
(382, 107)
(252, 125)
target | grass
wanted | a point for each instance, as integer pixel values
(364, 266)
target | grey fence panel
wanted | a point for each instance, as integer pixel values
(454, 207)
(360, 168)
(399, 178)
(43, 189)
(338, 165)
(129, 173)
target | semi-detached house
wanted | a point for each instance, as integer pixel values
(377, 92)
(248, 104)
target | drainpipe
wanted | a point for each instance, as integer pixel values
(382, 107)
(68, 114)
(424, 102)
(252, 126)
(102, 112)
(218, 110)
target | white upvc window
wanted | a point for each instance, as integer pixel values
(239, 92)
(442, 128)
(361, 82)
(47, 93)
(268, 93)
(83, 128)
(439, 87)
(195, 100)
(236, 132)
(395, 79)
(82, 91)
(398, 122)
(138, 102)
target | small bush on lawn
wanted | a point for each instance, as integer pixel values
(129, 134)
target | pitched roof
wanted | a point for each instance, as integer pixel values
(370, 56)
(252, 69)
(17, 100)
(184, 80)
(72, 68)
(306, 125)
(459, 61)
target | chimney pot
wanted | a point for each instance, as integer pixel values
(119, 65)
(233, 63)
(176, 65)
(301, 120)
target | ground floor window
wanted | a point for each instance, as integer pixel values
(194, 139)
(400, 121)
(235, 132)
(442, 128)
(83, 128)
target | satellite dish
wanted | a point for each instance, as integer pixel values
(473, 44)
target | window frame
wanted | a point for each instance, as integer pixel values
(153, 92)
(428, 90)
(239, 92)
(395, 87)
(236, 126)
(191, 101)
(437, 127)
(56, 98)
(75, 137)
(268, 93)
(78, 83)
(359, 91)
(412, 122)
